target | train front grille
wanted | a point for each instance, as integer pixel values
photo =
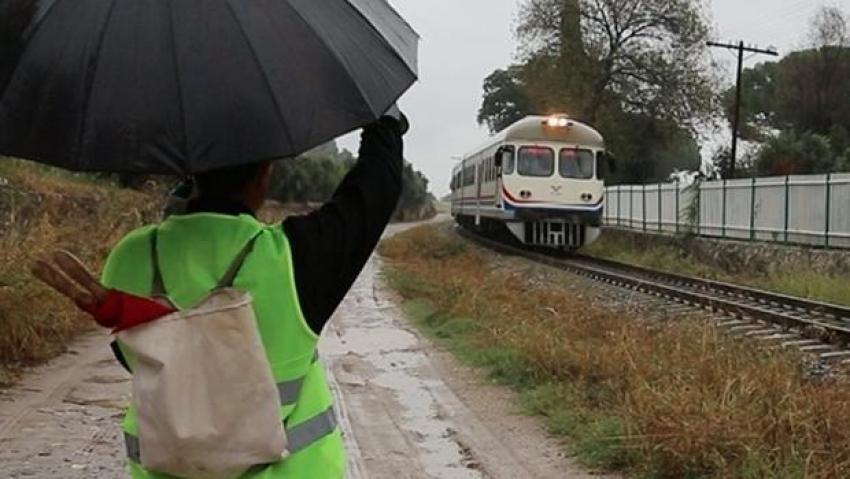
(554, 234)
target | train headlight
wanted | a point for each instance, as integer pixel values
(557, 122)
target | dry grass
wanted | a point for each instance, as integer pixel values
(659, 400)
(40, 212)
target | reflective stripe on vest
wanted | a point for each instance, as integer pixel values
(300, 437)
(290, 391)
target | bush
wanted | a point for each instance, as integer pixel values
(795, 154)
(314, 177)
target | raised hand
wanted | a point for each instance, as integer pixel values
(110, 308)
(71, 278)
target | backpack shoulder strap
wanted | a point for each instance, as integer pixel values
(158, 286)
(233, 271)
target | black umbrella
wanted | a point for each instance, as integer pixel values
(182, 86)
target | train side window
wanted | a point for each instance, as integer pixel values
(576, 164)
(536, 161)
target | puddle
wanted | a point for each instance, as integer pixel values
(399, 365)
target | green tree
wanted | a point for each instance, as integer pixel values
(641, 56)
(635, 69)
(505, 100)
(314, 177)
(793, 154)
(652, 148)
(722, 161)
(415, 202)
(311, 177)
(842, 163)
(803, 97)
(758, 101)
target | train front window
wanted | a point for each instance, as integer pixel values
(536, 161)
(576, 164)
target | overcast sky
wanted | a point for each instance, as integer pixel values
(463, 41)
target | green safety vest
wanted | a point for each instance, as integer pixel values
(194, 252)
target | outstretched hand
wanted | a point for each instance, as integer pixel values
(70, 277)
(110, 308)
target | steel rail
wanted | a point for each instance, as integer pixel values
(736, 301)
(837, 312)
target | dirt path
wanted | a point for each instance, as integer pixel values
(62, 420)
(413, 412)
(407, 409)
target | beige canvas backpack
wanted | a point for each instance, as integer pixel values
(207, 403)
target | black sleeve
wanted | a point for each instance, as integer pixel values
(332, 245)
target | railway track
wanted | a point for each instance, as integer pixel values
(817, 328)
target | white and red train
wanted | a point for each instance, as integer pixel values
(541, 178)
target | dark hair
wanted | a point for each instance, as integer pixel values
(227, 182)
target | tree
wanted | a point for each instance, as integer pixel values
(793, 154)
(798, 107)
(505, 100)
(649, 150)
(311, 177)
(635, 69)
(842, 163)
(314, 177)
(828, 27)
(758, 102)
(641, 56)
(415, 202)
(721, 159)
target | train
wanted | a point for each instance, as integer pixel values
(540, 179)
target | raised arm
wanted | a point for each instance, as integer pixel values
(332, 245)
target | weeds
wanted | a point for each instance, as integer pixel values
(38, 214)
(659, 400)
(674, 258)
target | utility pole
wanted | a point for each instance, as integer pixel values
(737, 118)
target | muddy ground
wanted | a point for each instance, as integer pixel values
(407, 409)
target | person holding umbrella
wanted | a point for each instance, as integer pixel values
(297, 272)
(216, 89)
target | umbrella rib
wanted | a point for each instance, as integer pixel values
(264, 74)
(382, 36)
(184, 140)
(338, 58)
(90, 84)
(28, 34)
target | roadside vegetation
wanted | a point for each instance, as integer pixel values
(676, 257)
(42, 209)
(314, 176)
(649, 398)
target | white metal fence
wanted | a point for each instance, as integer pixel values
(811, 210)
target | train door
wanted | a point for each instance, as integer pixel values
(504, 159)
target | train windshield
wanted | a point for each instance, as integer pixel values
(536, 161)
(576, 164)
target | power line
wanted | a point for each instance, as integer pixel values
(741, 48)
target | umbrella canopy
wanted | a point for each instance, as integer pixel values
(185, 86)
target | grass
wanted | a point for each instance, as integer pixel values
(674, 257)
(659, 400)
(39, 213)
